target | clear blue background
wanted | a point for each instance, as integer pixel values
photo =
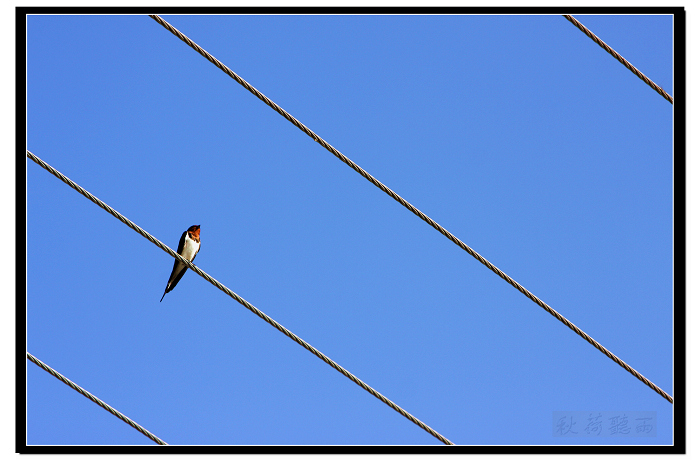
(516, 133)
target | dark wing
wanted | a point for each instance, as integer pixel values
(181, 245)
(174, 282)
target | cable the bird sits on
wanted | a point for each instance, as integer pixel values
(188, 249)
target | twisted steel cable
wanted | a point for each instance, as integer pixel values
(619, 58)
(240, 300)
(408, 205)
(97, 401)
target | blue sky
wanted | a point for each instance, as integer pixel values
(516, 133)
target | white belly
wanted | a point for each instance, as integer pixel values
(190, 249)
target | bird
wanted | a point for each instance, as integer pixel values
(188, 249)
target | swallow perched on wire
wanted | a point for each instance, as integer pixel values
(188, 249)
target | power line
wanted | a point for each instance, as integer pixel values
(97, 401)
(619, 58)
(233, 295)
(409, 206)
